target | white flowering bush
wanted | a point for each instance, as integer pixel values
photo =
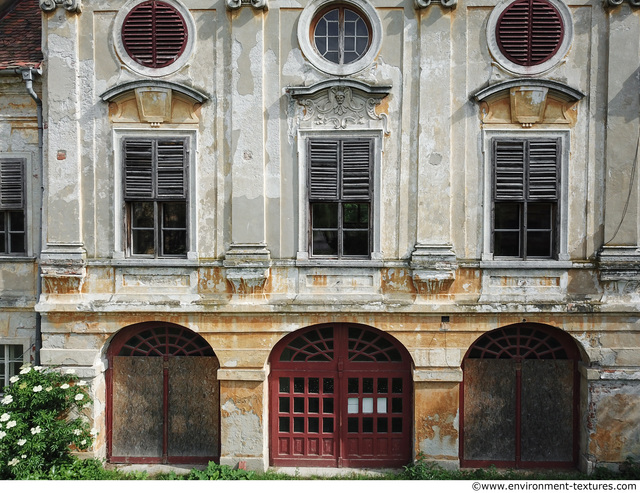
(41, 422)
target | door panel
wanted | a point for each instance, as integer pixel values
(193, 406)
(138, 407)
(490, 410)
(547, 397)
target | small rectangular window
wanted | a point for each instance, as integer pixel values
(155, 193)
(340, 192)
(10, 362)
(12, 207)
(526, 184)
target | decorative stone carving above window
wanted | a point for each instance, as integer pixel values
(256, 4)
(342, 104)
(616, 3)
(528, 102)
(422, 4)
(69, 5)
(153, 102)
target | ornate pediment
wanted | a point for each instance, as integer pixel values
(528, 102)
(154, 102)
(342, 104)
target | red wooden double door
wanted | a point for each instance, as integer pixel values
(341, 396)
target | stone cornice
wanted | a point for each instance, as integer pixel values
(558, 87)
(69, 5)
(120, 89)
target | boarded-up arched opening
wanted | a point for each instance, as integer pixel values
(341, 396)
(520, 399)
(162, 396)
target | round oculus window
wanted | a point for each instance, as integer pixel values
(341, 34)
(154, 34)
(529, 32)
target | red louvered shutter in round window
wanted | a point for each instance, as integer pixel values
(154, 34)
(529, 32)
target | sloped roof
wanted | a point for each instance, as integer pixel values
(21, 35)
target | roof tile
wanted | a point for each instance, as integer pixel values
(21, 35)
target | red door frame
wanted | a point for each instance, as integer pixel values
(573, 354)
(340, 370)
(116, 345)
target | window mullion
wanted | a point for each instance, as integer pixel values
(341, 36)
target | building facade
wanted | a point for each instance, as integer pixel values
(330, 232)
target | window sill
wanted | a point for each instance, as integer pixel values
(340, 263)
(526, 264)
(16, 258)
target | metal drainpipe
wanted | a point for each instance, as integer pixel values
(27, 76)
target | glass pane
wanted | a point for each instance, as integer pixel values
(325, 243)
(2, 214)
(506, 244)
(298, 404)
(352, 405)
(16, 243)
(314, 385)
(324, 215)
(507, 215)
(327, 406)
(327, 425)
(396, 425)
(3, 248)
(314, 405)
(356, 243)
(355, 215)
(367, 385)
(314, 425)
(539, 216)
(383, 425)
(298, 425)
(174, 215)
(143, 242)
(367, 425)
(396, 385)
(284, 385)
(327, 385)
(539, 244)
(352, 385)
(283, 425)
(142, 215)
(352, 425)
(174, 242)
(383, 385)
(16, 219)
(298, 385)
(284, 405)
(367, 405)
(396, 405)
(382, 405)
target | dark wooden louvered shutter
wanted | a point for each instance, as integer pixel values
(154, 169)
(509, 169)
(11, 184)
(356, 169)
(154, 34)
(543, 169)
(526, 169)
(323, 169)
(138, 169)
(171, 169)
(529, 32)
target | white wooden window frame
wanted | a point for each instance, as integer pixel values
(304, 226)
(120, 222)
(487, 151)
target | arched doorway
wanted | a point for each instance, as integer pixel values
(162, 396)
(341, 396)
(520, 399)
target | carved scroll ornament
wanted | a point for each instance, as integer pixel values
(256, 4)
(69, 5)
